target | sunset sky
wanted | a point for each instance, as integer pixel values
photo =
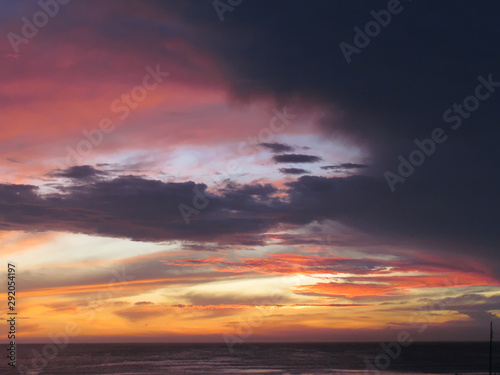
(174, 172)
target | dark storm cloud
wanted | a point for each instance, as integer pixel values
(427, 58)
(397, 89)
(296, 158)
(277, 147)
(404, 67)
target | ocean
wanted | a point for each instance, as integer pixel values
(289, 358)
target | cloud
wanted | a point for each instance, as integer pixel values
(61, 307)
(343, 167)
(277, 147)
(79, 172)
(365, 278)
(136, 208)
(293, 171)
(258, 190)
(241, 300)
(148, 210)
(296, 158)
(470, 302)
(140, 313)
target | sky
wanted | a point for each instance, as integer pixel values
(250, 171)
